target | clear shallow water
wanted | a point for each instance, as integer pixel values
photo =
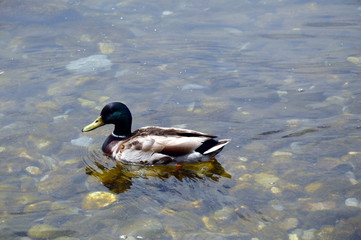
(280, 79)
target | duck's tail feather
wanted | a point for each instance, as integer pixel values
(217, 148)
(212, 147)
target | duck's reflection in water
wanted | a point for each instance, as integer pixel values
(117, 176)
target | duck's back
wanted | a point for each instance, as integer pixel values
(156, 145)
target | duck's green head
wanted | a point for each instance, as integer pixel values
(115, 113)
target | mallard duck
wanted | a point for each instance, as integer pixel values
(153, 145)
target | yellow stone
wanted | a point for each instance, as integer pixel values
(313, 187)
(242, 167)
(266, 179)
(261, 225)
(241, 186)
(304, 199)
(191, 107)
(47, 105)
(209, 223)
(163, 67)
(213, 104)
(40, 143)
(243, 159)
(255, 147)
(327, 232)
(103, 98)
(289, 223)
(25, 199)
(106, 47)
(33, 170)
(168, 211)
(293, 236)
(86, 103)
(281, 93)
(44, 231)
(70, 161)
(275, 190)
(245, 177)
(85, 38)
(197, 203)
(2, 149)
(37, 207)
(354, 60)
(78, 80)
(280, 153)
(99, 199)
(63, 117)
(290, 186)
(43, 143)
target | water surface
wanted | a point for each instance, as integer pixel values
(281, 79)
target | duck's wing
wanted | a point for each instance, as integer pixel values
(172, 145)
(155, 143)
(161, 131)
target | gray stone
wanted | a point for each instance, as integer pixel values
(352, 202)
(90, 65)
(82, 141)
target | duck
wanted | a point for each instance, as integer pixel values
(153, 145)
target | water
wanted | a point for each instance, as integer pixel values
(281, 79)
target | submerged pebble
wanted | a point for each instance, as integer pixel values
(354, 60)
(45, 231)
(308, 234)
(39, 142)
(280, 153)
(352, 202)
(83, 141)
(167, 13)
(266, 179)
(86, 103)
(42, 206)
(32, 170)
(192, 86)
(293, 236)
(237, 32)
(276, 190)
(320, 206)
(147, 228)
(121, 73)
(313, 187)
(98, 199)
(92, 64)
(224, 214)
(58, 183)
(106, 47)
(289, 223)
(351, 177)
(209, 223)
(327, 232)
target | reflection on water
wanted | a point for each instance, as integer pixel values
(117, 176)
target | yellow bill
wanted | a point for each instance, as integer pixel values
(97, 123)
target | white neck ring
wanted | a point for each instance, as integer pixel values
(118, 136)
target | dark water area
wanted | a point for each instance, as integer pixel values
(281, 79)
